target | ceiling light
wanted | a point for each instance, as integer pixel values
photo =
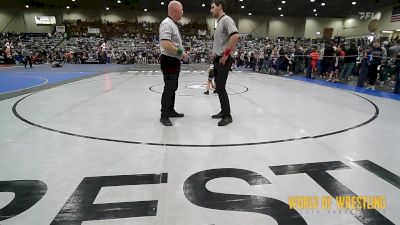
(240, 0)
(119, 1)
(387, 31)
(397, 30)
(316, 14)
(73, 0)
(162, 3)
(107, 8)
(67, 7)
(323, 3)
(242, 6)
(145, 10)
(283, 2)
(312, 0)
(203, 5)
(27, 6)
(314, 10)
(353, 3)
(279, 8)
(281, 14)
(250, 14)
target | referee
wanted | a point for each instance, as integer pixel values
(225, 39)
(171, 53)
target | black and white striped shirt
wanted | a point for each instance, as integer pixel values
(169, 31)
(225, 29)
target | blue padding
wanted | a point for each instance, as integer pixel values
(382, 94)
(14, 82)
(18, 78)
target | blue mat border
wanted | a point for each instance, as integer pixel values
(382, 94)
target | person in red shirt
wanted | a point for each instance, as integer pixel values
(314, 55)
(338, 59)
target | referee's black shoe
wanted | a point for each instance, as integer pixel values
(165, 121)
(225, 121)
(175, 114)
(217, 116)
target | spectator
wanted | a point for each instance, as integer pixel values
(349, 62)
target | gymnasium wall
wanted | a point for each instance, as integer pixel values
(286, 27)
(318, 24)
(13, 20)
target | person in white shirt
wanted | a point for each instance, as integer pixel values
(172, 52)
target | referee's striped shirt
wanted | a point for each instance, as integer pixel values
(225, 29)
(169, 31)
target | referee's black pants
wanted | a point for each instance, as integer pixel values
(372, 73)
(170, 68)
(28, 60)
(397, 86)
(221, 75)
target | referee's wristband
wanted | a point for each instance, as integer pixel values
(180, 51)
(227, 52)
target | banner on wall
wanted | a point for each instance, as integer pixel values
(202, 32)
(60, 29)
(45, 20)
(92, 30)
(327, 34)
(366, 15)
(395, 17)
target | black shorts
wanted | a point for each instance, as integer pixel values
(211, 74)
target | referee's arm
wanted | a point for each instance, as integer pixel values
(233, 40)
(169, 46)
